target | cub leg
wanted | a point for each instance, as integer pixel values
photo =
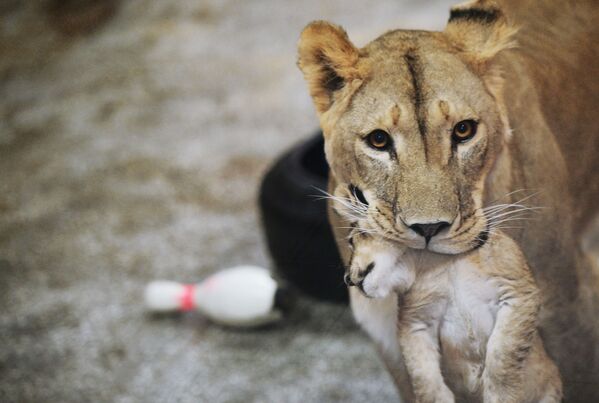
(421, 356)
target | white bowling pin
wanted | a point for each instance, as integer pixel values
(241, 296)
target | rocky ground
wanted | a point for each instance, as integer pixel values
(133, 135)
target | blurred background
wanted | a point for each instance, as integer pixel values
(133, 139)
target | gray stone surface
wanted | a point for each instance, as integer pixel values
(133, 136)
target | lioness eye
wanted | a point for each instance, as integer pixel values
(464, 131)
(379, 139)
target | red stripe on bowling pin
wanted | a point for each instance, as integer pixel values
(186, 302)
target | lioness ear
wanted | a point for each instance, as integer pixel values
(480, 30)
(328, 60)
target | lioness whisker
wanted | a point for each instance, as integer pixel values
(502, 227)
(517, 203)
(496, 225)
(500, 207)
(346, 201)
(513, 192)
(501, 217)
(510, 211)
(360, 230)
(513, 213)
(510, 208)
(361, 213)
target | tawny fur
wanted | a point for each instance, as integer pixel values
(537, 137)
(467, 324)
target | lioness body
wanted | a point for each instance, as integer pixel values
(464, 321)
(537, 133)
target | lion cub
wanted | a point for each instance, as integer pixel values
(467, 324)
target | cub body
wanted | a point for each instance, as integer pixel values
(466, 324)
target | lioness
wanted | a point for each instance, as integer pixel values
(429, 128)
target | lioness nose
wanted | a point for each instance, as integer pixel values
(429, 230)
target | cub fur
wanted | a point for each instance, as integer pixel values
(467, 324)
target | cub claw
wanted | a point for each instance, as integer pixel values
(347, 280)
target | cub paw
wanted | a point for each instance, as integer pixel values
(375, 267)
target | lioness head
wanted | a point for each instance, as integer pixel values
(413, 123)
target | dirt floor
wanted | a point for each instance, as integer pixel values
(133, 135)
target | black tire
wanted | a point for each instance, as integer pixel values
(295, 222)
